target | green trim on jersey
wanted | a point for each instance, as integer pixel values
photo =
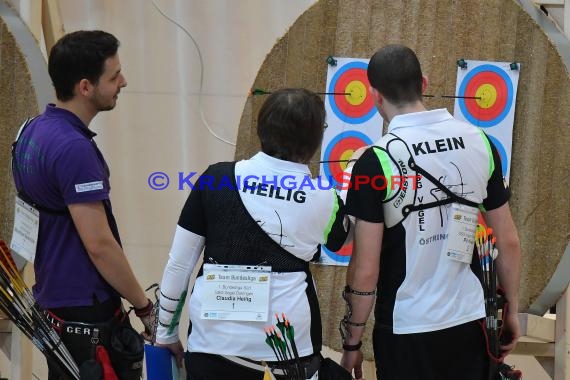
(332, 218)
(490, 152)
(386, 168)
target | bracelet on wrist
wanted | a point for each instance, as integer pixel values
(356, 324)
(348, 289)
(352, 347)
(144, 311)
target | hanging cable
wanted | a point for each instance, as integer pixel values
(202, 117)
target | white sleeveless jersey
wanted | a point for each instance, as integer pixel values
(420, 289)
(299, 214)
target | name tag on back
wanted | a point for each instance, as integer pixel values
(462, 223)
(235, 292)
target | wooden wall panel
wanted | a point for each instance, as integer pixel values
(442, 31)
(18, 101)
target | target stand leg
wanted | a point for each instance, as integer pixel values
(562, 341)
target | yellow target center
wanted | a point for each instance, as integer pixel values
(345, 156)
(356, 93)
(487, 95)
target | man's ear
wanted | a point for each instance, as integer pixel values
(84, 87)
(378, 99)
(425, 83)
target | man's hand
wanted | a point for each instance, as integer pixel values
(177, 351)
(148, 319)
(352, 360)
(511, 332)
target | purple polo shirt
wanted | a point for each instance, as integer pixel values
(57, 164)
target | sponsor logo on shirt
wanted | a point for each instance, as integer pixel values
(89, 186)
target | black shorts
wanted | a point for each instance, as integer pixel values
(458, 352)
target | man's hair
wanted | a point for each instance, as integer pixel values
(79, 55)
(395, 71)
(290, 124)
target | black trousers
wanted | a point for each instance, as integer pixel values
(202, 366)
(458, 352)
(99, 312)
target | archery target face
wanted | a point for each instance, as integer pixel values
(493, 89)
(352, 102)
(342, 256)
(341, 148)
(487, 95)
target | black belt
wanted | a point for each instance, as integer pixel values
(97, 332)
(310, 363)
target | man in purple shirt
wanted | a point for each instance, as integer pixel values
(81, 270)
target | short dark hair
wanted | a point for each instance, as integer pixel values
(395, 71)
(79, 55)
(290, 124)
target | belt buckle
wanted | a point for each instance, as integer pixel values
(95, 336)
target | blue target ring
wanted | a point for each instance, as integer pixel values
(502, 153)
(337, 102)
(466, 105)
(335, 256)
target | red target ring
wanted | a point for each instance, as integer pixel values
(342, 255)
(340, 149)
(475, 89)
